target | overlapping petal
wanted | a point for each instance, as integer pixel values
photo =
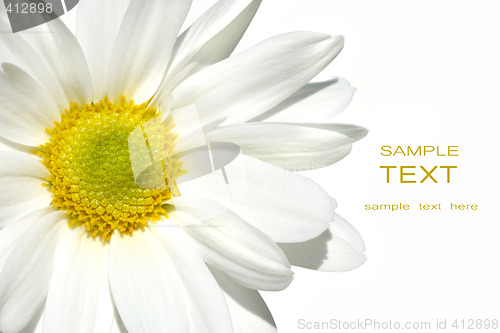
(164, 278)
(211, 38)
(354, 132)
(230, 244)
(223, 15)
(21, 178)
(249, 312)
(142, 50)
(38, 51)
(145, 286)
(272, 71)
(26, 109)
(294, 147)
(286, 206)
(97, 26)
(12, 232)
(23, 287)
(79, 298)
(205, 304)
(316, 102)
(59, 48)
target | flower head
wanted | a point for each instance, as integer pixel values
(147, 181)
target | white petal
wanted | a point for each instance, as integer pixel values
(143, 47)
(254, 81)
(338, 249)
(315, 102)
(25, 278)
(57, 45)
(211, 38)
(205, 303)
(26, 109)
(21, 178)
(288, 146)
(353, 131)
(230, 244)
(286, 206)
(248, 310)
(79, 280)
(216, 19)
(15, 49)
(10, 146)
(98, 23)
(145, 287)
(11, 233)
(188, 129)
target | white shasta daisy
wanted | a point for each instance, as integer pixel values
(86, 247)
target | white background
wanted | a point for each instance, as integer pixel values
(427, 73)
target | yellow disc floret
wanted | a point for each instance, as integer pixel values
(91, 172)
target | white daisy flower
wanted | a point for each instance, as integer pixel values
(88, 245)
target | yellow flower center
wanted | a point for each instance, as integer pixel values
(91, 173)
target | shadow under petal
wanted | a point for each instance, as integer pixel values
(309, 254)
(339, 249)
